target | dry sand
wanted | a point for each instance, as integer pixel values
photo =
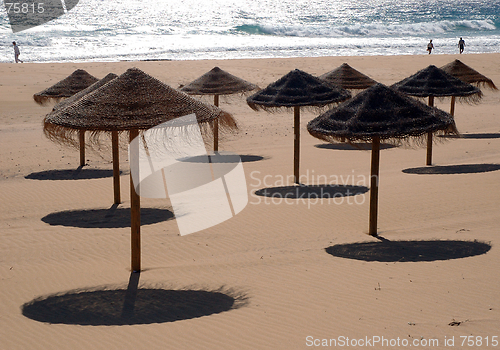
(271, 257)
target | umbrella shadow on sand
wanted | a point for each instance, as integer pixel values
(453, 169)
(312, 191)
(358, 146)
(474, 136)
(133, 305)
(403, 251)
(79, 173)
(225, 158)
(106, 218)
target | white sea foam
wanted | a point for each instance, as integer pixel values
(369, 29)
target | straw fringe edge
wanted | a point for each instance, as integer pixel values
(407, 141)
(71, 136)
(45, 100)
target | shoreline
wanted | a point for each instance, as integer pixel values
(256, 58)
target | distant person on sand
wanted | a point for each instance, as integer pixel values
(461, 45)
(430, 46)
(16, 52)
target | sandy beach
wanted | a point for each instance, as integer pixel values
(276, 261)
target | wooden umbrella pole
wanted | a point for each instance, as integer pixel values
(429, 149)
(135, 215)
(216, 126)
(429, 137)
(116, 167)
(452, 107)
(82, 147)
(296, 146)
(374, 185)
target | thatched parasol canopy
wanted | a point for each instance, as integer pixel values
(77, 81)
(297, 89)
(134, 100)
(379, 113)
(218, 82)
(382, 112)
(434, 82)
(70, 100)
(467, 74)
(348, 78)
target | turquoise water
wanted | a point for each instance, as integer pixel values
(98, 30)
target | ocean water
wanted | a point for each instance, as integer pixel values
(99, 30)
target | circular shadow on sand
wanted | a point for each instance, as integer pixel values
(106, 218)
(225, 158)
(312, 191)
(71, 174)
(359, 146)
(453, 169)
(473, 136)
(392, 251)
(129, 307)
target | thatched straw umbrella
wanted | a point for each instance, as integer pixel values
(348, 78)
(379, 113)
(77, 81)
(74, 83)
(218, 82)
(70, 100)
(65, 103)
(132, 102)
(467, 74)
(294, 90)
(434, 82)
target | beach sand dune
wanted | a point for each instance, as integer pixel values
(279, 275)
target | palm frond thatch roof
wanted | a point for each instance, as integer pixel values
(66, 102)
(348, 78)
(77, 81)
(295, 89)
(134, 100)
(432, 81)
(460, 70)
(382, 112)
(218, 82)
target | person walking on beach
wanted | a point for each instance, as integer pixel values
(16, 52)
(430, 46)
(461, 45)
